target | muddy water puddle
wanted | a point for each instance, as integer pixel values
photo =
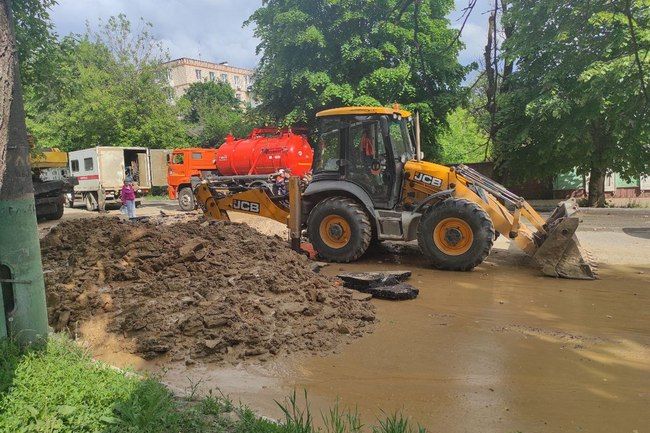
(500, 349)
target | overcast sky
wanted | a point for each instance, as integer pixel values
(212, 29)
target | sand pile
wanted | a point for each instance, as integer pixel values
(218, 291)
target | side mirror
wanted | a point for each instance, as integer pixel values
(383, 124)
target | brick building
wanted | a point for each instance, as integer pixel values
(184, 71)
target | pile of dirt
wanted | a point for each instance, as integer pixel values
(215, 291)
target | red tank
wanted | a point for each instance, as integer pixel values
(265, 151)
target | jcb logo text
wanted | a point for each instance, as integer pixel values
(428, 179)
(246, 206)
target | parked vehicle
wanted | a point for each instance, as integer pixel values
(246, 162)
(101, 171)
(52, 182)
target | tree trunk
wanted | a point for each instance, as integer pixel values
(7, 59)
(596, 196)
(22, 298)
(601, 142)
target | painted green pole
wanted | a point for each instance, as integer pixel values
(23, 306)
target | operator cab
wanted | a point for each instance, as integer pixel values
(367, 146)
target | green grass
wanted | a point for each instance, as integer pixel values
(158, 197)
(59, 388)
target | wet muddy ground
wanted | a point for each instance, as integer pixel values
(499, 349)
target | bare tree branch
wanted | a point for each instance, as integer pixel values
(635, 47)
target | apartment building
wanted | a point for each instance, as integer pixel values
(185, 71)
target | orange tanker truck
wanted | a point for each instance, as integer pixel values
(247, 162)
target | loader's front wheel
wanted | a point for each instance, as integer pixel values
(456, 234)
(339, 229)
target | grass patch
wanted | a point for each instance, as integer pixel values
(157, 197)
(59, 388)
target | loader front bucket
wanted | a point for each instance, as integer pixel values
(560, 254)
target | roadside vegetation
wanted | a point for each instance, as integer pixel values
(60, 388)
(574, 97)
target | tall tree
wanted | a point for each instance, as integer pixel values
(463, 141)
(578, 95)
(112, 93)
(323, 53)
(213, 111)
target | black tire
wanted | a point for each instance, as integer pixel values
(56, 215)
(90, 199)
(186, 199)
(355, 237)
(69, 200)
(452, 247)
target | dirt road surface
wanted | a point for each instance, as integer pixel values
(499, 349)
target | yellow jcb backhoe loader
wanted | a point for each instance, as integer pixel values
(369, 183)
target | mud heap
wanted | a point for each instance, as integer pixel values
(218, 291)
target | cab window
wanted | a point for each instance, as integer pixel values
(197, 155)
(177, 158)
(328, 150)
(399, 138)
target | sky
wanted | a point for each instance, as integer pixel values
(212, 29)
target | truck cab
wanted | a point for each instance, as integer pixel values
(183, 164)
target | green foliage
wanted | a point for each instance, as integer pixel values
(576, 98)
(209, 94)
(462, 141)
(325, 53)
(59, 388)
(213, 111)
(35, 38)
(106, 89)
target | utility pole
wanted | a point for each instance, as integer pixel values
(23, 312)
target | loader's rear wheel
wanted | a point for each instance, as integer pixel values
(457, 235)
(339, 229)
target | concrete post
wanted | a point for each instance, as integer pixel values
(21, 274)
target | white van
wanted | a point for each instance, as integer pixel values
(101, 172)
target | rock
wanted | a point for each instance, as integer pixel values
(365, 280)
(398, 292)
(317, 266)
(212, 322)
(62, 323)
(343, 329)
(194, 249)
(361, 296)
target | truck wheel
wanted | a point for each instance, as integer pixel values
(186, 199)
(339, 229)
(91, 201)
(69, 200)
(56, 215)
(456, 234)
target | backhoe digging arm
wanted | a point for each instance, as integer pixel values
(253, 201)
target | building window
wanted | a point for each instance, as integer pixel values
(197, 72)
(75, 165)
(88, 164)
(238, 95)
(236, 80)
(224, 78)
(213, 77)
